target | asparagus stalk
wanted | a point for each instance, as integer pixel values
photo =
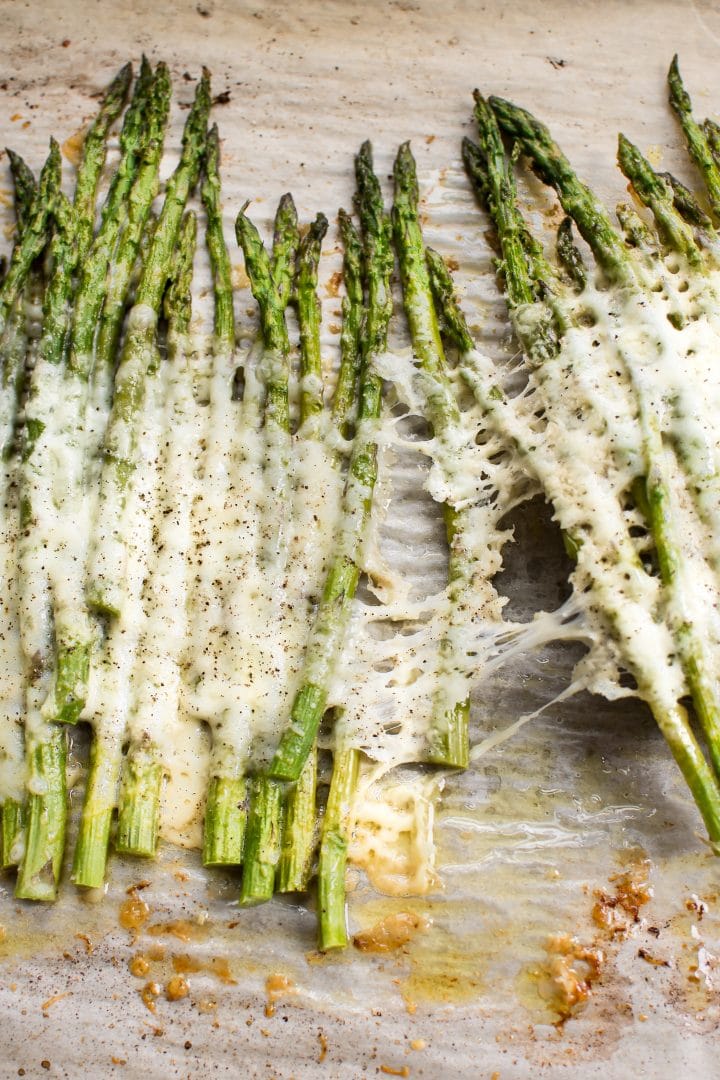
(93, 158)
(219, 257)
(298, 838)
(344, 406)
(496, 190)
(357, 257)
(332, 928)
(363, 339)
(243, 822)
(45, 743)
(14, 355)
(271, 280)
(14, 343)
(688, 207)
(311, 391)
(25, 190)
(658, 195)
(139, 801)
(569, 257)
(299, 831)
(327, 637)
(695, 136)
(448, 741)
(34, 235)
(226, 807)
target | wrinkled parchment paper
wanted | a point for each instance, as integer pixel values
(549, 837)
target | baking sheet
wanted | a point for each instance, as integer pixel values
(530, 839)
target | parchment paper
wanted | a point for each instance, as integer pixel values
(529, 839)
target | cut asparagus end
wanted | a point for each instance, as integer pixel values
(91, 848)
(332, 932)
(448, 742)
(332, 927)
(225, 821)
(298, 840)
(139, 810)
(46, 817)
(262, 841)
(13, 824)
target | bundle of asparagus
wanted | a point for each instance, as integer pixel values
(186, 523)
(129, 441)
(618, 421)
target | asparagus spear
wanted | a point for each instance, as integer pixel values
(14, 342)
(220, 259)
(25, 189)
(34, 234)
(496, 190)
(658, 195)
(298, 837)
(93, 158)
(156, 675)
(695, 136)
(332, 925)
(311, 391)
(345, 408)
(241, 818)
(139, 364)
(328, 633)
(345, 398)
(14, 355)
(226, 806)
(45, 742)
(271, 283)
(688, 207)
(448, 743)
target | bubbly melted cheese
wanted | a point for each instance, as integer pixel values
(217, 551)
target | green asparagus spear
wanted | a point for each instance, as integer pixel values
(345, 396)
(34, 234)
(14, 350)
(298, 835)
(45, 743)
(226, 806)
(448, 743)
(308, 257)
(222, 271)
(333, 850)
(657, 194)
(365, 339)
(271, 280)
(25, 189)
(695, 136)
(327, 636)
(687, 205)
(93, 158)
